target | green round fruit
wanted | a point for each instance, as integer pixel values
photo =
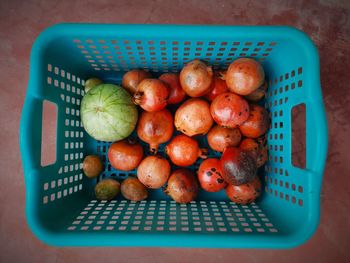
(91, 83)
(107, 189)
(108, 113)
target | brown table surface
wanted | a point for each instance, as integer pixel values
(326, 21)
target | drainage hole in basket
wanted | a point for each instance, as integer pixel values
(298, 135)
(49, 124)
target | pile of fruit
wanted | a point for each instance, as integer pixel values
(220, 106)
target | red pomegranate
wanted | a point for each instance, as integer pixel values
(229, 110)
(210, 175)
(193, 117)
(196, 78)
(155, 128)
(257, 122)
(153, 171)
(220, 138)
(244, 76)
(176, 93)
(182, 186)
(151, 95)
(133, 78)
(218, 86)
(238, 166)
(125, 155)
(184, 151)
(245, 193)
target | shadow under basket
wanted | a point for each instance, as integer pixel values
(60, 205)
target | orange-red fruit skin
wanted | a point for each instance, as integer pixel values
(132, 79)
(176, 93)
(182, 186)
(245, 193)
(125, 156)
(193, 117)
(220, 138)
(244, 76)
(196, 78)
(155, 128)
(210, 175)
(257, 122)
(229, 110)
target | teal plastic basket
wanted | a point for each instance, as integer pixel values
(60, 205)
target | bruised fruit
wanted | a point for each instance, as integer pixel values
(107, 189)
(218, 86)
(262, 157)
(229, 110)
(196, 78)
(153, 171)
(220, 138)
(210, 175)
(176, 93)
(244, 76)
(257, 122)
(151, 95)
(193, 117)
(184, 151)
(257, 150)
(125, 155)
(262, 141)
(258, 94)
(245, 193)
(155, 128)
(133, 190)
(182, 186)
(133, 78)
(250, 146)
(238, 166)
(92, 166)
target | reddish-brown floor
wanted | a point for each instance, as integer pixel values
(326, 21)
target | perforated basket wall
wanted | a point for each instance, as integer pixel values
(60, 204)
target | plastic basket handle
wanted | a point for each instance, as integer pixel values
(316, 136)
(30, 132)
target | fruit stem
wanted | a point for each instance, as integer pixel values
(203, 153)
(165, 191)
(210, 70)
(137, 99)
(132, 140)
(222, 75)
(153, 148)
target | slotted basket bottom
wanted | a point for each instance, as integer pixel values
(205, 217)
